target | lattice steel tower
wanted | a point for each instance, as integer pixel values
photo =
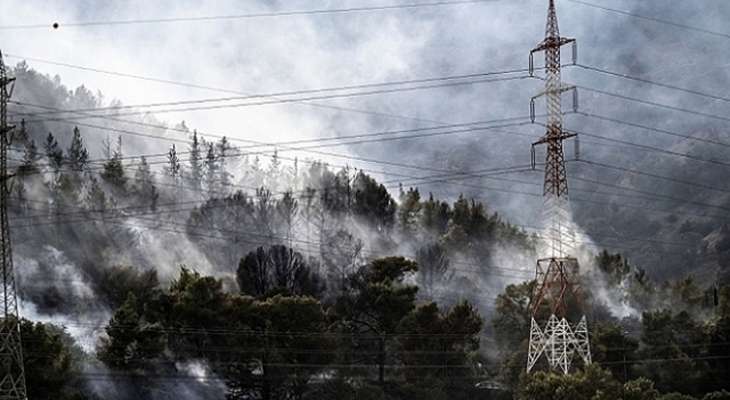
(556, 276)
(12, 385)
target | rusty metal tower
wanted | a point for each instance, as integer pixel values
(12, 383)
(556, 275)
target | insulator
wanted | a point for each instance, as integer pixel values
(532, 64)
(575, 52)
(532, 110)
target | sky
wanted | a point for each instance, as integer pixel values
(267, 55)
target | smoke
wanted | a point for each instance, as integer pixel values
(54, 290)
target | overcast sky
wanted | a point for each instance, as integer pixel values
(265, 55)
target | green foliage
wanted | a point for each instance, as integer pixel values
(435, 216)
(593, 383)
(377, 303)
(53, 152)
(611, 345)
(640, 389)
(52, 362)
(428, 337)
(721, 395)
(373, 203)
(113, 173)
(512, 315)
(673, 338)
(77, 156)
(144, 185)
(676, 396)
(116, 283)
(132, 341)
(408, 210)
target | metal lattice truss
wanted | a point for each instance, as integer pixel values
(555, 280)
(559, 230)
(555, 190)
(559, 343)
(12, 383)
(556, 277)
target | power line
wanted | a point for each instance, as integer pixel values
(104, 219)
(200, 232)
(278, 100)
(656, 149)
(272, 14)
(652, 175)
(654, 19)
(650, 195)
(513, 191)
(214, 89)
(450, 172)
(655, 83)
(653, 129)
(655, 104)
(252, 143)
(304, 92)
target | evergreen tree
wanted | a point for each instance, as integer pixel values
(144, 185)
(380, 298)
(287, 209)
(21, 136)
(373, 203)
(53, 364)
(131, 341)
(196, 163)
(173, 168)
(435, 216)
(409, 210)
(30, 158)
(429, 337)
(53, 152)
(211, 172)
(77, 155)
(113, 173)
(224, 149)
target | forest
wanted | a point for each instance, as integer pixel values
(210, 271)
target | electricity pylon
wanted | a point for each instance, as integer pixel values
(556, 276)
(12, 384)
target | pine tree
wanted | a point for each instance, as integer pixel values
(53, 152)
(287, 209)
(30, 157)
(257, 175)
(273, 174)
(211, 172)
(196, 167)
(409, 210)
(77, 155)
(145, 184)
(224, 148)
(113, 173)
(22, 135)
(173, 168)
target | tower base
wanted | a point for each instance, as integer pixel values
(559, 343)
